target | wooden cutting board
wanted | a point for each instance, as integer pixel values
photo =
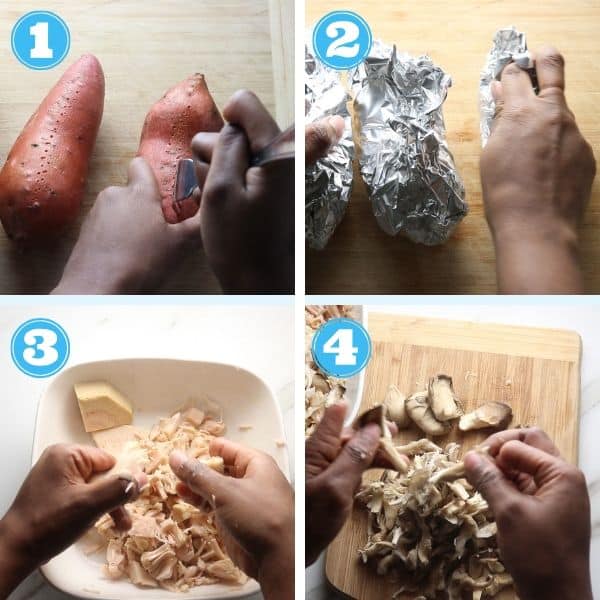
(360, 258)
(144, 48)
(536, 371)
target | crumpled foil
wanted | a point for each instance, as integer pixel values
(509, 45)
(328, 183)
(410, 174)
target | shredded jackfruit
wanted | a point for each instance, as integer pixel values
(320, 390)
(171, 544)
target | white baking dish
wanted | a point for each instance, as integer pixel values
(156, 388)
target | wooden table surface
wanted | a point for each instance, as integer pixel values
(360, 258)
(144, 48)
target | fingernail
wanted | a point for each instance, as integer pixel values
(130, 486)
(177, 459)
(141, 479)
(337, 124)
(371, 431)
(473, 460)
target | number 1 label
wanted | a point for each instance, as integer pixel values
(39, 31)
(40, 40)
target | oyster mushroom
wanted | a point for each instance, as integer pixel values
(490, 414)
(418, 409)
(418, 447)
(386, 445)
(442, 399)
(395, 401)
(438, 535)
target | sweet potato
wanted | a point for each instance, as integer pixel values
(172, 122)
(43, 180)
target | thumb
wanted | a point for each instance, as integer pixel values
(488, 479)
(520, 457)
(321, 136)
(323, 446)
(140, 174)
(199, 478)
(106, 493)
(355, 457)
(191, 228)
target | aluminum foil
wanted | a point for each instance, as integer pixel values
(328, 183)
(410, 174)
(509, 45)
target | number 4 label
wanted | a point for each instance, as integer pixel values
(341, 347)
(345, 352)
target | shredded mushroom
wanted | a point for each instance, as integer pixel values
(171, 544)
(436, 533)
(320, 390)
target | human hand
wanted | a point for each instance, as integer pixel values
(542, 510)
(321, 136)
(536, 173)
(254, 508)
(335, 461)
(247, 213)
(56, 504)
(125, 244)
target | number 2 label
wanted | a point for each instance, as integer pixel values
(342, 39)
(338, 47)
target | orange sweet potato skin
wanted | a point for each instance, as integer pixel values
(43, 180)
(186, 109)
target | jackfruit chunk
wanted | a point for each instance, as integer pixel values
(102, 406)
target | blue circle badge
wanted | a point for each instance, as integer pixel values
(342, 39)
(341, 347)
(40, 347)
(40, 40)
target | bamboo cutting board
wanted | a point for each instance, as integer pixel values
(360, 258)
(144, 48)
(536, 371)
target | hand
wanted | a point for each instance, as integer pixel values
(536, 173)
(125, 245)
(321, 136)
(254, 511)
(56, 504)
(247, 213)
(542, 510)
(335, 461)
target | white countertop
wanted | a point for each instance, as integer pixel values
(257, 338)
(583, 318)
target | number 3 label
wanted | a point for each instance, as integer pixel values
(342, 39)
(341, 347)
(40, 347)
